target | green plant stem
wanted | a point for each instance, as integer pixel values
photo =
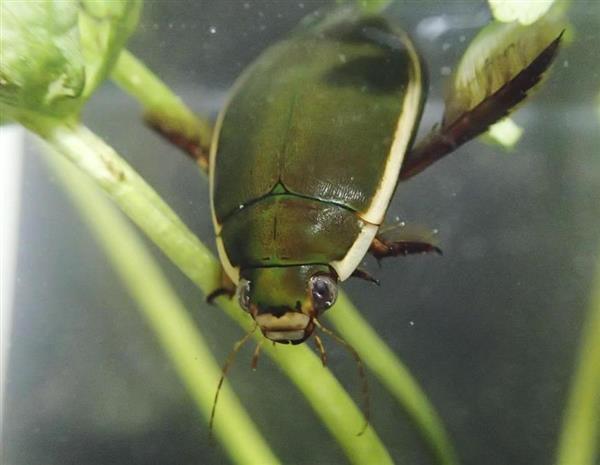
(394, 375)
(161, 106)
(167, 316)
(137, 199)
(129, 191)
(580, 436)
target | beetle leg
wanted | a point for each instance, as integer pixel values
(210, 298)
(468, 125)
(401, 239)
(382, 249)
(197, 150)
(362, 274)
(227, 288)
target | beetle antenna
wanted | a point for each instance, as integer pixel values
(230, 358)
(255, 355)
(366, 401)
(321, 349)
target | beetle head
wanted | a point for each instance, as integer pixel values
(285, 300)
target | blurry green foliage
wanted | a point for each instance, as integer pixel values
(523, 11)
(55, 53)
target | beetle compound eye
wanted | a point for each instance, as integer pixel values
(324, 291)
(244, 294)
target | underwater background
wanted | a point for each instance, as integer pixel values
(490, 330)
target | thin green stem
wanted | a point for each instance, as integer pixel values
(394, 375)
(137, 199)
(580, 436)
(329, 400)
(162, 108)
(166, 315)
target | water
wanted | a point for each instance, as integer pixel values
(490, 329)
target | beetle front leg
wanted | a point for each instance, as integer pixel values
(226, 288)
(364, 275)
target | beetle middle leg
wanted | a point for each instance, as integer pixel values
(382, 249)
(401, 240)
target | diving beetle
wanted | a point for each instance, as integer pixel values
(307, 154)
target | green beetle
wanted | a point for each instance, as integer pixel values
(306, 157)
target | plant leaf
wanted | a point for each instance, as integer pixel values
(42, 69)
(55, 53)
(496, 75)
(373, 6)
(505, 133)
(495, 57)
(523, 11)
(104, 27)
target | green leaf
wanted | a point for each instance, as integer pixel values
(373, 6)
(42, 68)
(497, 54)
(523, 11)
(104, 27)
(368, 6)
(55, 53)
(505, 133)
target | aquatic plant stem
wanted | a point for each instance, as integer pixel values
(163, 110)
(580, 437)
(139, 201)
(394, 375)
(166, 315)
